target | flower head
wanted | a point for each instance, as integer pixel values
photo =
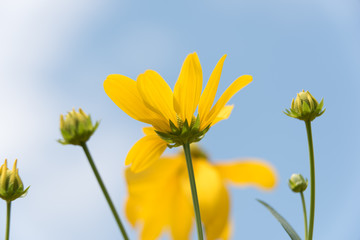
(297, 183)
(77, 127)
(160, 196)
(149, 99)
(11, 186)
(305, 107)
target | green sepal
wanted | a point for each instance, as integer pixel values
(321, 105)
(305, 108)
(183, 134)
(196, 124)
(287, 227)
(185, 129)
(173, 128)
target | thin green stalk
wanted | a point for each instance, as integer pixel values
(193, 190)
(312, 180)
(8, 210)
(305, 215)
(105, 192)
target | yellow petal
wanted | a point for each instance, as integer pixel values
(227, 232)
(157, 214)
(145, 151)
(249, 173)
(157, 94)
(151, 196)
(217, 223)
(213, 198)
(209, 93)
(182, 215)
(149, 131)
(188, 88)
(225, 97)
(223, 114)
(131, 211)
(143, 183)
(124, 93)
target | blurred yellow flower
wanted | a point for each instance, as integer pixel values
(149, 99)
(160, 197)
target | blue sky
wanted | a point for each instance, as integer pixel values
(56, 54)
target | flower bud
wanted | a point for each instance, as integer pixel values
(76, 128)
(305, 107)
(11, 186)
(297, 183)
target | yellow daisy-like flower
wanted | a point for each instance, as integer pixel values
(149, 99)
(160, 197)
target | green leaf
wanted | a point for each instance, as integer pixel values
(287, 227)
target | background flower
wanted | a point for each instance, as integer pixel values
(160, 197)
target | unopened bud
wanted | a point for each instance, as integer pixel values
(297, 183)
(76, 128)
(11, 186)
(305, 107)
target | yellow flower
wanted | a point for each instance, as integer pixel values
(160, 197)
(149, 99)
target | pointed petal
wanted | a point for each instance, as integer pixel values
(223, 114)
(208, 96)
(188, 87)
(145, 151)
(250, 172)
(157, 94)
(236, 86)
(124, 93)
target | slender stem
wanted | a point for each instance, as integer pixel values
(105, 192)
(305, 216)
(312, 180)
(193, 190)
(8, 210)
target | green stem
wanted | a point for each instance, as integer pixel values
(8, 210)
(305, 216)
(106, 194)
(193, 190)
(312, 180)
